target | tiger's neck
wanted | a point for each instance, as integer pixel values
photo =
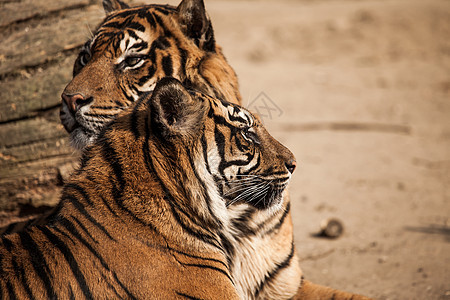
(212, 75)
(149, 187)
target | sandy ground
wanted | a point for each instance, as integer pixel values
(360, 92)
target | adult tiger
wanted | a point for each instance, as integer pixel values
(131, 50)
(147, 215)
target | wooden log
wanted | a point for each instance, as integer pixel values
(16, 11)
(34, 46)
(27, 97)
(36, 57)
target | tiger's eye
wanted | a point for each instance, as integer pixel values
(250, 135)
(132, 61)
(85, 57)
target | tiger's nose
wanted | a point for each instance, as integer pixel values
(75, 101)
(291, 165)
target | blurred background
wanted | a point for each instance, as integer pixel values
(358, 90)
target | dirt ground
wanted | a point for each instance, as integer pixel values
(361, 95)
(360, 92)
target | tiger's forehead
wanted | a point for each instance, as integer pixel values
(126, 28)
(233, 113)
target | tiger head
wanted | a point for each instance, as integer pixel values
(214, 153)
(130, 51)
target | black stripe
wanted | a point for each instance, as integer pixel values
(120, 103)
(11, 292)
(136, 26)
(21, 275)
(104, 116)
(84, 212)
(145, 79)
(220, 143)
(84, 229)
(205, 152)
(255, 166)
(129, 294)
(183, 59)
(71, 295)
(163, 10)
(167, 65)
(228, 248)
(106, 107)
(111, 287)
(7, 243)
(70, 259)
(148, 15)
(80, 190)
(139, 46)
(124, 13)
(199, 257)
(65, 234)
(187, 296)
(204, 190)
(209, 267)
(136, 37)
(241, 223)
(170, 199)
(69, 226)
(109, 154)
(11, 228)
(134, 115)
(281, 221)
(124, 92)
(117, 195)
(161, 24)
(108, 206)
(272, 274)
(85, 158)
(37, 261)
(161, 43)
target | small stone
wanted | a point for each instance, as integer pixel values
(331, 228)
(382, 259)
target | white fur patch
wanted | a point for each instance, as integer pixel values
(257, 255)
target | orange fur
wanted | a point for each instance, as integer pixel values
(137, 220)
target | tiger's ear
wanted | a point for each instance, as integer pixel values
(111, 5)
(195, 24)
(173, 112)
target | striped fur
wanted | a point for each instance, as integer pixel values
(148, 215)
(130, 51)
(172, 45)
(198, 62)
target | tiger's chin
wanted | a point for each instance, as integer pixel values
(272, 201)
(80, 138)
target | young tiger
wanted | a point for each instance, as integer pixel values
(146, 216)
